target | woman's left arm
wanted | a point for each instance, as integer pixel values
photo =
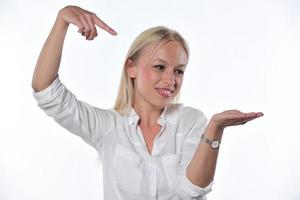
(201, 168)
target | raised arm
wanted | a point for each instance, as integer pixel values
(47, 65)
(78, 117)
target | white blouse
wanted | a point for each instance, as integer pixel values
(130, 172)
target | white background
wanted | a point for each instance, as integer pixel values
(244, 55)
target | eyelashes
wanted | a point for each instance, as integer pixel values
(159, 67)
(162, 68)
(179, 71)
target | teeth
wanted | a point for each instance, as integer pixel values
(165, 92)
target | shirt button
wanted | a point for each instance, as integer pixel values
(151, 161)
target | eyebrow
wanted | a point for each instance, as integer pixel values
(162, 60)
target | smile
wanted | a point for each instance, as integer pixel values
(165, 92)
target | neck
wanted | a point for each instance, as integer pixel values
(148, 114)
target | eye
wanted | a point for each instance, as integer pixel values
(179, 72)
(159, 67)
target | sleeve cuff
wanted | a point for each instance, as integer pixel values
(193, 190)
(40, 95)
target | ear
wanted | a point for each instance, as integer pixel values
(131, 68)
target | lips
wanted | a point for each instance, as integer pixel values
(165, 92)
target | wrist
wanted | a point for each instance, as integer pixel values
(213, 131)
(60, 20)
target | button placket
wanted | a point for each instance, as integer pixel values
(158, 141)
(153, 175)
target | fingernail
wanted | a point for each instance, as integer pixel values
(115, 32)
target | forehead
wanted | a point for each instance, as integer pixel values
(170, 51)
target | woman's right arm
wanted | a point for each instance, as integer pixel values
(80, 118)
(47, 65)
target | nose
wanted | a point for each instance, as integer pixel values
(169, 78)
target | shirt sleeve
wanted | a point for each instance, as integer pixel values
(88, 122)
(184, 187)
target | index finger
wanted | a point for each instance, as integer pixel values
(103, 25)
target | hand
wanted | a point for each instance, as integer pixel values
(232, 118)
(85, 20)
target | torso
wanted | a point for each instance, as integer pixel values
(149, 134)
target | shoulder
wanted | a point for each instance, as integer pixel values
(187, 113)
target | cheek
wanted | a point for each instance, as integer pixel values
(149, 75)
(144, 79)
(178, 81)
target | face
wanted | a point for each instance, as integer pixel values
(158, 75)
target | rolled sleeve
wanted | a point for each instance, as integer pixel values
(47, 94)
(185, 188)
(188, 191)
(80, 118)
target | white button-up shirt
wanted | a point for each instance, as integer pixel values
(130, 172)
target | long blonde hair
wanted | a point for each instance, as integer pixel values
(125, 97)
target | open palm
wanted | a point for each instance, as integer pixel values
(233, 118)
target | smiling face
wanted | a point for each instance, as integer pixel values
(158, 80)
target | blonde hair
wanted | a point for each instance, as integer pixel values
(155, 35)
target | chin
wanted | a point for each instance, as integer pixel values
(162, 104)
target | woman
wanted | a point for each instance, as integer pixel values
(151, 148)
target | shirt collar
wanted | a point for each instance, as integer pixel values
(133, 117)
(169, 115)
